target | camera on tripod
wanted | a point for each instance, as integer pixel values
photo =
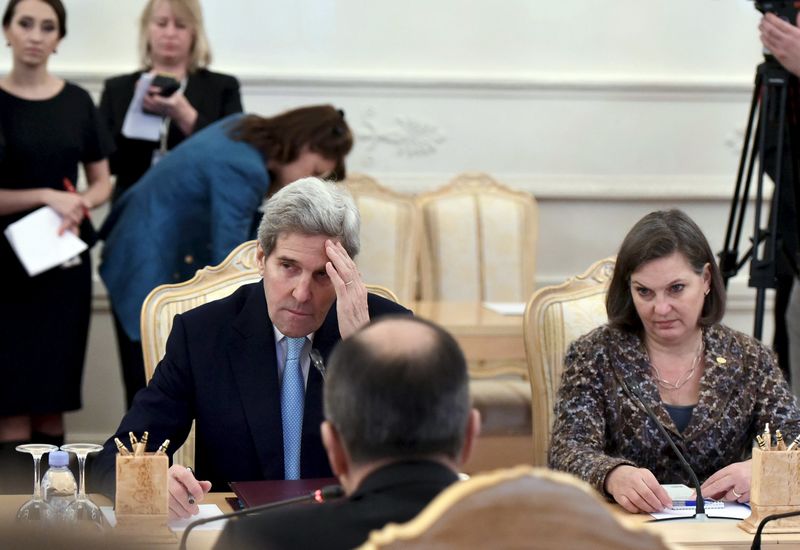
(785, 9)
(771, 141)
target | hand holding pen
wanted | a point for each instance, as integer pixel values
(70, 205)
(71, 189)
(185, 491)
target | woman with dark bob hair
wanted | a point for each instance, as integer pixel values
(712, 388)
(201, 201)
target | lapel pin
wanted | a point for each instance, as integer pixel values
(721, 360)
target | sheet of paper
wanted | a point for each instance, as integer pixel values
(678, 491)
(506, 308)
(137, 123)
(672, 514)
(732, 510)
(178, 525)
(37, 244)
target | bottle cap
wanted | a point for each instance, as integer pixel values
(58, 458)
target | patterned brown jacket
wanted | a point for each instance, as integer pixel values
(599, 424)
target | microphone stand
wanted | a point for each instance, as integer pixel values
(329, 492)
(700, 508)
(757, 538)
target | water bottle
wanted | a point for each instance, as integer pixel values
(58, 486)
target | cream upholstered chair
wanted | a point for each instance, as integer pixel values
(479, 241)
(479, 244)
(209, 284)
(554, 317)
(521, 507)
(390, 236)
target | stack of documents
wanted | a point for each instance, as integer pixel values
(683, 505)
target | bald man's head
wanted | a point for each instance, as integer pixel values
(398, 388)
(399, 337)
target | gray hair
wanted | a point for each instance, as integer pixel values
(311, 206)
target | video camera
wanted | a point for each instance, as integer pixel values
(785, 9)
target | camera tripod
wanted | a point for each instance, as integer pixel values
(773, 249)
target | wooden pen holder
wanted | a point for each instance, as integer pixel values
(774, 489)
(142, 501)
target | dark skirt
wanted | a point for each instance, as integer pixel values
(43, 332)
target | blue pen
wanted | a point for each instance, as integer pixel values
(693, 503)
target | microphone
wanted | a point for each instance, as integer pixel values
(316, 360)
(700, 508)
(329, 492)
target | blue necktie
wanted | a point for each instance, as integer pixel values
(292, 400)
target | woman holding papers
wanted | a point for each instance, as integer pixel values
(201, 201)
(172, 44)
(50, 127)
(711, 387)
(147, 121)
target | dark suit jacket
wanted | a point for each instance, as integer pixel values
(395, 493)
(220, 370)
(213, 95)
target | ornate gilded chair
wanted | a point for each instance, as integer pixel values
(520, 507)
(479, 241)
(208, 284)
(390, 236)
(554, 317)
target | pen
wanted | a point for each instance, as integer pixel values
(191, 496)
(142, 446)
(121, 448)
(163, 447)
(690, 502)
(779, 443)
(71, 189)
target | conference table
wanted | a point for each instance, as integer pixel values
(714, 534)
(492, 342)
(722, 533)
(198, 540)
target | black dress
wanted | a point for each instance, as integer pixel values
(45, 319)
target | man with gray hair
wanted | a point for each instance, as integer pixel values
(241, 367)
(398, 426)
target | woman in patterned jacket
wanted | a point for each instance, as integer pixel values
(711, 387)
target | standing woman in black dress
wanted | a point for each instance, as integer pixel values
(49, 127)
(172, 41)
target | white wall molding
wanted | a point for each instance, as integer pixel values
(588, 187)
(674, 86)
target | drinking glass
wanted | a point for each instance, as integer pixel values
(35, 509)
(83, 511)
